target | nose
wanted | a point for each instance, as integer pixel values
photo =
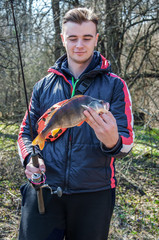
(79, 43)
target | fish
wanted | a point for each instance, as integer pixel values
(41, 123)
(68, 114)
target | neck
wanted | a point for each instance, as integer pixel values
(78, 68)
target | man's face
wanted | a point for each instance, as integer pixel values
(79, 41)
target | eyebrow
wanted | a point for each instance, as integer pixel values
(86, 35)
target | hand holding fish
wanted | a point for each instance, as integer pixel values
(104, 125)
(30, 169)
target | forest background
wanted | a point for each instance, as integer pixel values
(128, 37)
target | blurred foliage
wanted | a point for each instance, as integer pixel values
(128, 37)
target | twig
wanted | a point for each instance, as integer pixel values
(133, 183)
(13, 195)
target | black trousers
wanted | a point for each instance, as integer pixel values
(84, 216)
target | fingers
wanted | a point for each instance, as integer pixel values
(90, 117)
(30, 169)
(105, 127)
(41, 165)
(108, 118)
(95, 120)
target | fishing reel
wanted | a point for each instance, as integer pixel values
(38, 181)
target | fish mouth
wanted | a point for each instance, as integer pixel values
(106, 106)
(103, 108)
(85, 107)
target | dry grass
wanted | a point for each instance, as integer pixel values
(136, 211)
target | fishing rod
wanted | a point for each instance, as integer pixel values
(38, 180)
(36, 177)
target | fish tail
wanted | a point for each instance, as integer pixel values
(39, 140)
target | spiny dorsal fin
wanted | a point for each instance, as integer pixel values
(50, 116)
(71, 99)
(54, 108)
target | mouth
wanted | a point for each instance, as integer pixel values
(79, 53)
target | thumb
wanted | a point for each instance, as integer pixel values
(41, 165)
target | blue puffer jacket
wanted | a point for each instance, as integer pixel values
(77, 161)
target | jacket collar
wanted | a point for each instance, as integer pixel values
(98, 64)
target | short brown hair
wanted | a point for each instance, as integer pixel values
(80, 15)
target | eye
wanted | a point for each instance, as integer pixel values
(73, 39)
(87, 39)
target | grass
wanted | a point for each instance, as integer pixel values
(136, 213)
(11, 177)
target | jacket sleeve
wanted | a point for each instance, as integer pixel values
(121, 108)
(24, 143)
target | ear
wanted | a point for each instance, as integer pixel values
(62, 38)
(96, 41)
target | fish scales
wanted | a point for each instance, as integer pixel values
(68, 115)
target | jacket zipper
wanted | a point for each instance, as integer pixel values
(68, 163)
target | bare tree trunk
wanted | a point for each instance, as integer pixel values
(113, 33)
(56, 18)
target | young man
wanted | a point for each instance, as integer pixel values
(81, 160)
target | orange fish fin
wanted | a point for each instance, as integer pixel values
(55, 131)
(45, 118)
(76, 96)
(50, 116)
(59, 104)
(55, 107)
(39, 140)
(80, 124)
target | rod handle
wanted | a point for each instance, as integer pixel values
(40, 199)
(41, 206)
(35, 160)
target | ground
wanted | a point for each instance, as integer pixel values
(136, 214)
